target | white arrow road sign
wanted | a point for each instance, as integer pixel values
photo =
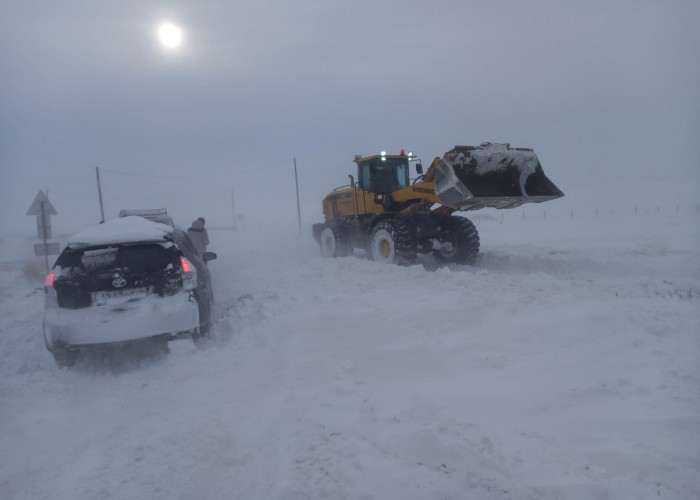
(41, 200)
(43, 209)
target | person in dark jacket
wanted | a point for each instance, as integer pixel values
(206, 234)
(199, 236)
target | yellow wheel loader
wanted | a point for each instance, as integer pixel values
(394, 219)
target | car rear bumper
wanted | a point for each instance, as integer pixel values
(126, 322)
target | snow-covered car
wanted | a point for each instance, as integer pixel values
(154, 214)
(126, 280)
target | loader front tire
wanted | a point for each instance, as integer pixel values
(461, 239)
(393, 242)
(334, 240)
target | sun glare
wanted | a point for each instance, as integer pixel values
(170, 35)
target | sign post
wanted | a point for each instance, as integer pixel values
(43, 209)
(296, 180)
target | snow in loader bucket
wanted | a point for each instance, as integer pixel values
(492, 175)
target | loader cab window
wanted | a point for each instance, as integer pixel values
(385, 176)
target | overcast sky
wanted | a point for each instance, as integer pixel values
(606, 92)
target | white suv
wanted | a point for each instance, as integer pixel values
(122, 281)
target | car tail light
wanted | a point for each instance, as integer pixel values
(50, 291)
(186, 266)
(50, 278)
(189, 274)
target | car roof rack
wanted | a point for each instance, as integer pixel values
(144, 212)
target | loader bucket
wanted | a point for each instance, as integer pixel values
(491, 175)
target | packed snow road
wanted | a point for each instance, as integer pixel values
(563, 365)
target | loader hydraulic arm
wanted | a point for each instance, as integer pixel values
(430, 173)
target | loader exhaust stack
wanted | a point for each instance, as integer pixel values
(491, 175)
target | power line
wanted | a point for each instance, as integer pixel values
(196, 176)
(63, 193)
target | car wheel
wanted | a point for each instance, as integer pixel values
(204, 329)
(65, 358)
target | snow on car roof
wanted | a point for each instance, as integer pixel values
(122, 230)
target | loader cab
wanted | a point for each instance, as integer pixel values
(383, 174)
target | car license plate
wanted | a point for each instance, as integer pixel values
(118, 296)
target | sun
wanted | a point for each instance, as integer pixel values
(170, 35)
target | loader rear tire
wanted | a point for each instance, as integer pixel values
(463, 237)
(335, 240)
(393, 242)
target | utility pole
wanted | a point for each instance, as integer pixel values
(233, 208)
(99, 194)
(296, 179)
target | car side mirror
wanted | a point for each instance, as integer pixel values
(419, 168)
(209, 256)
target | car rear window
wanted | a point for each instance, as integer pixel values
(135, 258)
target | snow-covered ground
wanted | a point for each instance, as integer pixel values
(564, 365)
